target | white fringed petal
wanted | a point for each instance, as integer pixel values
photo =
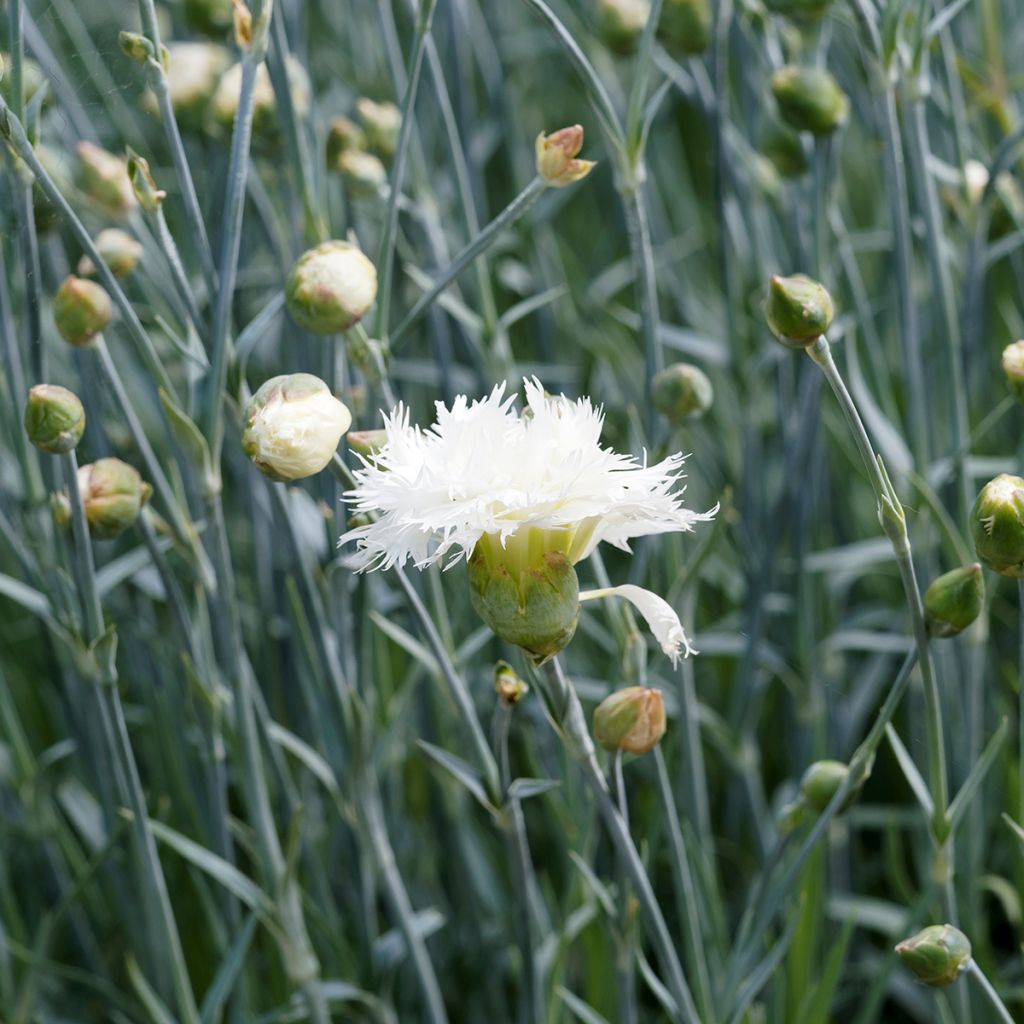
(660, 616)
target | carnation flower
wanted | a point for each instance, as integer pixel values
(523, 497)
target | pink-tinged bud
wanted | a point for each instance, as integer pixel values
(81, 309)
(119, 251)
(113, 494)
(556, 157)
(105, 180)
(631, 720)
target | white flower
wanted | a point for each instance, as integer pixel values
(659, 614)
(527, 484)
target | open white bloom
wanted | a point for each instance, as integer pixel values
(522, 496)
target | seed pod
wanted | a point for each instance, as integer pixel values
(621, 23)
(809, 99)
(292, 426)
(997, 525)
(54, 418)
(382, 123)
(556, 157)
(799, 310)
(104, 179)
(954, 600)
(81, 309)
(331, 287)
(681, 392)
(685, 25)
(113, 494)
(631, 720)
(120, 252)
(937, 954)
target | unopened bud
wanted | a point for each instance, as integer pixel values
(81, 309)
(681, 391)
(685, 25)
(367, 442)
(54, 418)
(119, 251)
(975, 180)
(937, 955)
(556, 157)
(783, 147)
(997, 525)
(821, 782)
(134, 46)
(225, 100)
(1013, 367)
(343, 136)
(149, 196)
(292, 426)
(798, 310)
(113, 494)
(382, 123)
(193, 71)
(105, 179)
(507, 684)
(631, 720)
(363, 173)
(32, 77)
(60, 509)
(621, 23)
(954, 600)
(331, 287)
(809, 99)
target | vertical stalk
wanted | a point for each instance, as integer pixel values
(992, 997)
(624, 953)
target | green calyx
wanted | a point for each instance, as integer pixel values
(997, 525)
(532, 602)
(954, 600)
(821, 782)
(799, 310)
(937, 955)
(681, 392)
(809, 99)
(54, 418)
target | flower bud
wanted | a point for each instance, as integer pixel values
(32, 77)
(54, 418)
(105, 180)
(331, 287)
(621, 23)
(367, 442)
(997, 525)
(821, 782)
(685, 25)
(507, 684)
(681, 391)
(113, 494)
(343, 136)
(134, 46)
(632, 720)
(81, 309)
(936, 955)
(382, 123)
(225, 100)
(798, 310)
(148, 195)
(533, 604)
(785, 150)
(809, 99)
(975, 181)
(292, 426)
(60, 509)
(954, 600)
(120, 252)
(193, 71)
(1013, 367)
(363, 173)
(556, 157)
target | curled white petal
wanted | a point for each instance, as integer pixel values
(660, 616)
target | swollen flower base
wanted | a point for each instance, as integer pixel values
(524, 498)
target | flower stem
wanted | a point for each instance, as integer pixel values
(1020, 698)
(998, 1006)
(570, 720)
(625, 952)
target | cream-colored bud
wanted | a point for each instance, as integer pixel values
(556, 153)
(363, 173)
(292, 426)
(113, 494)
(331, 287)
(382, 123)
(975, 180)
(229, 89)
(104, 179)
(631, 720)
(119, 251)
(193, 71)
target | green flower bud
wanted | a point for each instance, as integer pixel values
(343, 136)
(120, 252)
(113, 494)
(821, 782)
(134, 46)
(785, 150)
(382, 123)
(367, 442)
(936, 955)
(1013, 367)
(363, 173)
(685, 25)
(292, 426)
(632, 720)
(954, 600)
(798, 310)
(556, 157)
(800, 11)
(81, 309)
(331, 287)
(681, 391)
(621, 23)
(54, 418)
(148, 195)
(997, 525)
(530, 602)
(32, 77)
(60, 509)
(809, 99)
(507, 684)
(104, 179)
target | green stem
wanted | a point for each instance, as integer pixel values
(625, 952)
(998, 1006)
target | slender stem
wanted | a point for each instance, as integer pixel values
(625, 952)
(569, 717)
(998, 1006)
(641, 76)
(173, 257)
(1020, 698)
(483, 240)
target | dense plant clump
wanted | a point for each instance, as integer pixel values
(511, 511)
